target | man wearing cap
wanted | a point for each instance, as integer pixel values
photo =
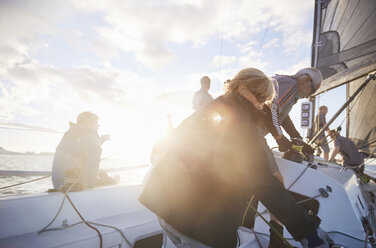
(202, 97)
(349, 153)
(289, 89)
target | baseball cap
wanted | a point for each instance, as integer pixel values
(314, 74)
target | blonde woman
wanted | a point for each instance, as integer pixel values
(217, 160)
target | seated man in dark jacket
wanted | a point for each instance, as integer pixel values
(215, 162)
(78, 155)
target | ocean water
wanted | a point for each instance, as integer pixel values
(44, 163)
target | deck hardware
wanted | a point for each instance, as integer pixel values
(65, 222)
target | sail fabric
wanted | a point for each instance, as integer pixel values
(346, 48)
(362, 116)
(346, 53)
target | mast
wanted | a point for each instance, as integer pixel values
(314, 55)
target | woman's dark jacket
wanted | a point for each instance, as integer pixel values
(215, 162)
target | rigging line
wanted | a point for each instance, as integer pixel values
(353, 104)
(271, 227)
(32, 129)
(266, 30)
(347, 115)
(368, 144)
(33, 180)
(221, 43)
(114, 154)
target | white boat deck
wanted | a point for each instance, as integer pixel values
(135, 226)
(113, 206)
(21, 217)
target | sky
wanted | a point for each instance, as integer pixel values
(134, 62)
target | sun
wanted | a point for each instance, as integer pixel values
(133, 132)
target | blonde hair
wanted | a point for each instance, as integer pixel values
(256, 82)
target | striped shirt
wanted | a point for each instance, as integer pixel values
(286, 88)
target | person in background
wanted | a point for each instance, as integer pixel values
(349, 153)
(215, 162)
(320, 122)
(79, 153)
(201, 97)
(289, 90)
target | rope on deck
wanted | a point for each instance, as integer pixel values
(29, 181)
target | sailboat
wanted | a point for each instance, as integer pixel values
(344, 49)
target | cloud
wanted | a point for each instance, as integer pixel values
(147, 28)
(271, 44)
(223, 60)
(306, 62)
(253, 59)
(146, 31)
(31, 83)
(28, 18)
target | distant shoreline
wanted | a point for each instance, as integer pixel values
(6, 152)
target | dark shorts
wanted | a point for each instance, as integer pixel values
(323, 144)
(324, 147)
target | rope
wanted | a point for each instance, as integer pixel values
(257, 239)
(272, 227)
(88, 223)
(301, 174)
(93, 223)
(117, 229)
(347, 115)
(330, 232)
(85, 222)
(44, 229)
(246, 210)
(33, 180)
